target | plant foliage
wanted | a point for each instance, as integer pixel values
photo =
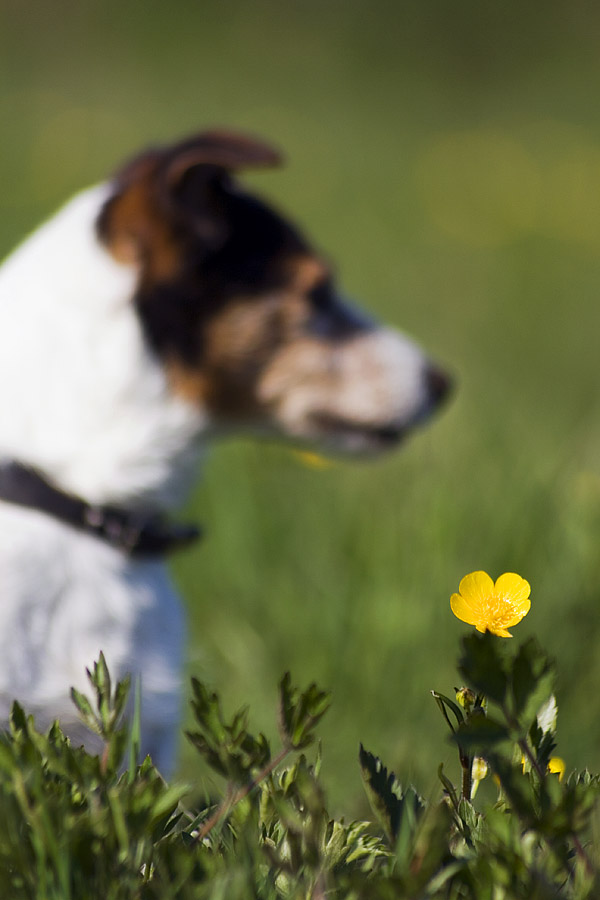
(74, 825)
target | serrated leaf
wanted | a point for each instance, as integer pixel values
(121, 696)
(18, 719)
(482, 663)
(383, 791)
(398, 810)
(532, 681)
(83, 706)
(300, 712)
(227, 746)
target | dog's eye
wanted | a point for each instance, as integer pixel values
(330, 317)
(321, 295)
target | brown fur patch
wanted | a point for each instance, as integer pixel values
(243, 338)
(135, 232)
(306, 272)
(186, 383)
(138, 223)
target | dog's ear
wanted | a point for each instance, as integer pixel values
(195, 172)
(219, 150)
(165, 196)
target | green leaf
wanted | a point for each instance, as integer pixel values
(397, 810)
(483, 665)
(480, 734)
(121, 696)
(532, 681)
(135, 735)
(431, 847)
(444, 703)
(227, 746)
(517, 786)
(85, 710)
(300, 711)
(18, 719)
(448, 787)
(100, 680)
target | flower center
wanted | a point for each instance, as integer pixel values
(499, 609)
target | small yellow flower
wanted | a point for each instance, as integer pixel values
(479, 771)
(312, 460)
(491, 607)
(556, 766)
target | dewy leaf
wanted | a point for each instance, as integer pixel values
(483, 665)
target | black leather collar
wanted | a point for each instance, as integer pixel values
(132, 533)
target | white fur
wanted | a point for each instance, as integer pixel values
(83, 399)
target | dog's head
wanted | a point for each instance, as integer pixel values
(245, 315)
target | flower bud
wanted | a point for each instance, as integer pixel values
(480, 769)
(466, 698)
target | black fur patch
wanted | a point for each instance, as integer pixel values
(216, 242)
(250, 261)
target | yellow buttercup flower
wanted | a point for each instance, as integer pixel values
(491, 606)
(312, 460)
(556, 766)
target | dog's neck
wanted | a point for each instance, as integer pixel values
(82, 397)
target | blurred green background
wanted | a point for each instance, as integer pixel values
(447, 157)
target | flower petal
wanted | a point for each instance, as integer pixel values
(475, 589)
(515, 589)
(500, 632)
(514, 620)
(462, 610)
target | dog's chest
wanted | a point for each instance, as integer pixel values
(66, 596)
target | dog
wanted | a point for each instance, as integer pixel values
(152, 314)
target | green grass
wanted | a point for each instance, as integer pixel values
(450, 164)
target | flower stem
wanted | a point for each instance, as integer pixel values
(466, 763)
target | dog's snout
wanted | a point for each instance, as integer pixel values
(439, 384)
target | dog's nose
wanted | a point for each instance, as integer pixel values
(439, 384)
